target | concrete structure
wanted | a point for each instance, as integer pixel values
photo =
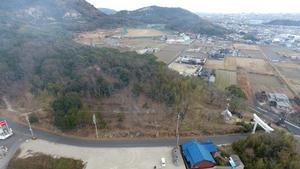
(264, 125)
(280, 101)
(199, 155)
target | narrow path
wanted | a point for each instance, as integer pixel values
(8, 105)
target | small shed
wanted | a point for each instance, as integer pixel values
(199, 155)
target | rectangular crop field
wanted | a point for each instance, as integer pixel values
(170, 53)
(225, 78)
(268, 83)
(251, 65)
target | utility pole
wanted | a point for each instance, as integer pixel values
(177, 130)
(176, 150)
(95, 123)
(29, 125)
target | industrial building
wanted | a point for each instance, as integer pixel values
(199, 155)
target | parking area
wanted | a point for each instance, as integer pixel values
(106, 158)
(11, 144)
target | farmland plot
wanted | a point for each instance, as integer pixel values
(170, 53)
(268, 83)
(225, 78)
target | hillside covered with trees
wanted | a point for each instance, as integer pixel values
(277, 150)
(43, 71)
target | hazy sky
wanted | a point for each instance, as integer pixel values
(215, 6)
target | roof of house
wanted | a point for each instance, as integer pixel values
(195, 151)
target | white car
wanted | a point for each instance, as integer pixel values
(163, 162)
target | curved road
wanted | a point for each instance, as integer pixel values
(21, 130)
(21, 134)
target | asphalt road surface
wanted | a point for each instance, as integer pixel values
(22, 131)
(21, 134)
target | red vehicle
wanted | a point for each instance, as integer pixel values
(5, 131)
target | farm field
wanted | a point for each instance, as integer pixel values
(214, 64)
(251, 65)
(245, 47)
(225, 78)
(268, 83)
(137, 44)
(229, 63)
(170, 53)
(134, 33)
(291, 72)
(256, 54)
(95, 37)
(183, 69)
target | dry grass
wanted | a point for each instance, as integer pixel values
(133, 33)
(170, 53)
(214, 64)
(225, 78)
(41, 161)
(96, 36)
(251, 65)
(183, 68)
(230, 63)
(269, 84)
(259, 66)
(291, 72)
(246, 46)
(136, 44)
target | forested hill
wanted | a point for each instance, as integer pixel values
(284, 22)
(41, 68)
(72, 14)
(177, 19)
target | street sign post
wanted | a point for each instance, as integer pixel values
(95, 123)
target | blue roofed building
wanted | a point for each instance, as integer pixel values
(199, 155)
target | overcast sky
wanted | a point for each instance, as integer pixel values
(213, 6)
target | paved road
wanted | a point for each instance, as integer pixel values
(23, 131)
(273, 117)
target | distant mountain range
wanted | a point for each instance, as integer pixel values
(107, 11)
(79, 15)
(284, 22)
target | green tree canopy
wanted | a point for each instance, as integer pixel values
(276, 150)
